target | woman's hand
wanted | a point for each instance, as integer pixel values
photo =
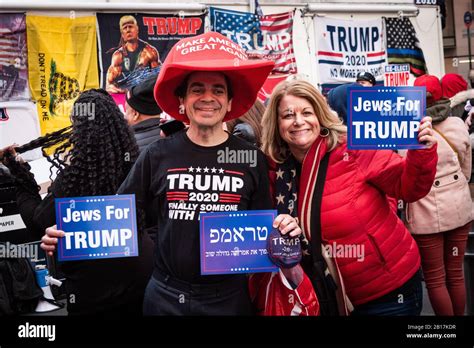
(468, 121)
(425, 134)
(287, 224)
(50, 239)
(9, 149)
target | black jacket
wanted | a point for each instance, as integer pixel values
(147, 132)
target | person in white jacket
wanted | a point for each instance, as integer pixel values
(440, 222)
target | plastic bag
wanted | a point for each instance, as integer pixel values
(274, 295)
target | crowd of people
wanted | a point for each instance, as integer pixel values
(325, 194)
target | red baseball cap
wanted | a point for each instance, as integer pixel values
(211, 52)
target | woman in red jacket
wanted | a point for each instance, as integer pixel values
(345, 208)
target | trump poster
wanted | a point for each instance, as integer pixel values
(347, 47)
(132, 47)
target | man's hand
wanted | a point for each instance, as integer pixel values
(50, 239)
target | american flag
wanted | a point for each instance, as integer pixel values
(262, 37)
(13, 58)
(403, 46)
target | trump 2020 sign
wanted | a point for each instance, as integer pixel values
(236, 242)
(96, 227)
(384, 117)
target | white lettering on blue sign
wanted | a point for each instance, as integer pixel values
(226, 235)
(94, 215)
(397, 68)
(402, 106)
(97, 238)
(116, 213)
(82, 215)
(386, 129)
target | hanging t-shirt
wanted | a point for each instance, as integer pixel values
(177, 179)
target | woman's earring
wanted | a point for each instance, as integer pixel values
(324, 132)
(181, 109)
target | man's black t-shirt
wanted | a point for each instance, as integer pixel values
(184, 179)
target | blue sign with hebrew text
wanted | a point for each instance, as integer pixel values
(96, 227)
(236, 242)
(384, 117)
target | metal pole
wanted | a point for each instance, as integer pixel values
(470, 55)
(469, 46)
(99, 6)
(405, 10)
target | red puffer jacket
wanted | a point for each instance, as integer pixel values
(373, 250)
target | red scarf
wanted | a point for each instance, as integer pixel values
(309, 173)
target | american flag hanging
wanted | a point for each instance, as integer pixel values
(13, 58)
(403, 46)
(262, 37)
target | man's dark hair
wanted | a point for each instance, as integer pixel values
(180, 91)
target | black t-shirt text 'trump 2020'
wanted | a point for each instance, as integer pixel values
(181, 179)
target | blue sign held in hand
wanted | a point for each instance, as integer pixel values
(97, 227)
(385, 117)
(236, 242)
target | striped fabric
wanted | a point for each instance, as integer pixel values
(13, 58)
(403, 47)
(262, 37)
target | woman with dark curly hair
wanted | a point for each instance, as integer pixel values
(92, 158)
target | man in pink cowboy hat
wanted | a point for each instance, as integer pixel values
(205, 80)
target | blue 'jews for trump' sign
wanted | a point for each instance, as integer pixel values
(385, 117)
(236, 242)
(96, 227)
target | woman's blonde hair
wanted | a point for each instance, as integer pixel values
(273, 144)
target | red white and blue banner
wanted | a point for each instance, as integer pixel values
(347, 47)
(262, 37)
(271, 82)
(396, 75)
(13, 57)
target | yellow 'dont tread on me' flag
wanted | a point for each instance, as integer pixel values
(62, 62)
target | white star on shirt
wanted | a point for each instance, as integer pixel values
(221, 171)
(191, 169)
(198, 170)
(280, 199)
(206, 170)
(293, 172)
(279, 173)
(213, 170)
